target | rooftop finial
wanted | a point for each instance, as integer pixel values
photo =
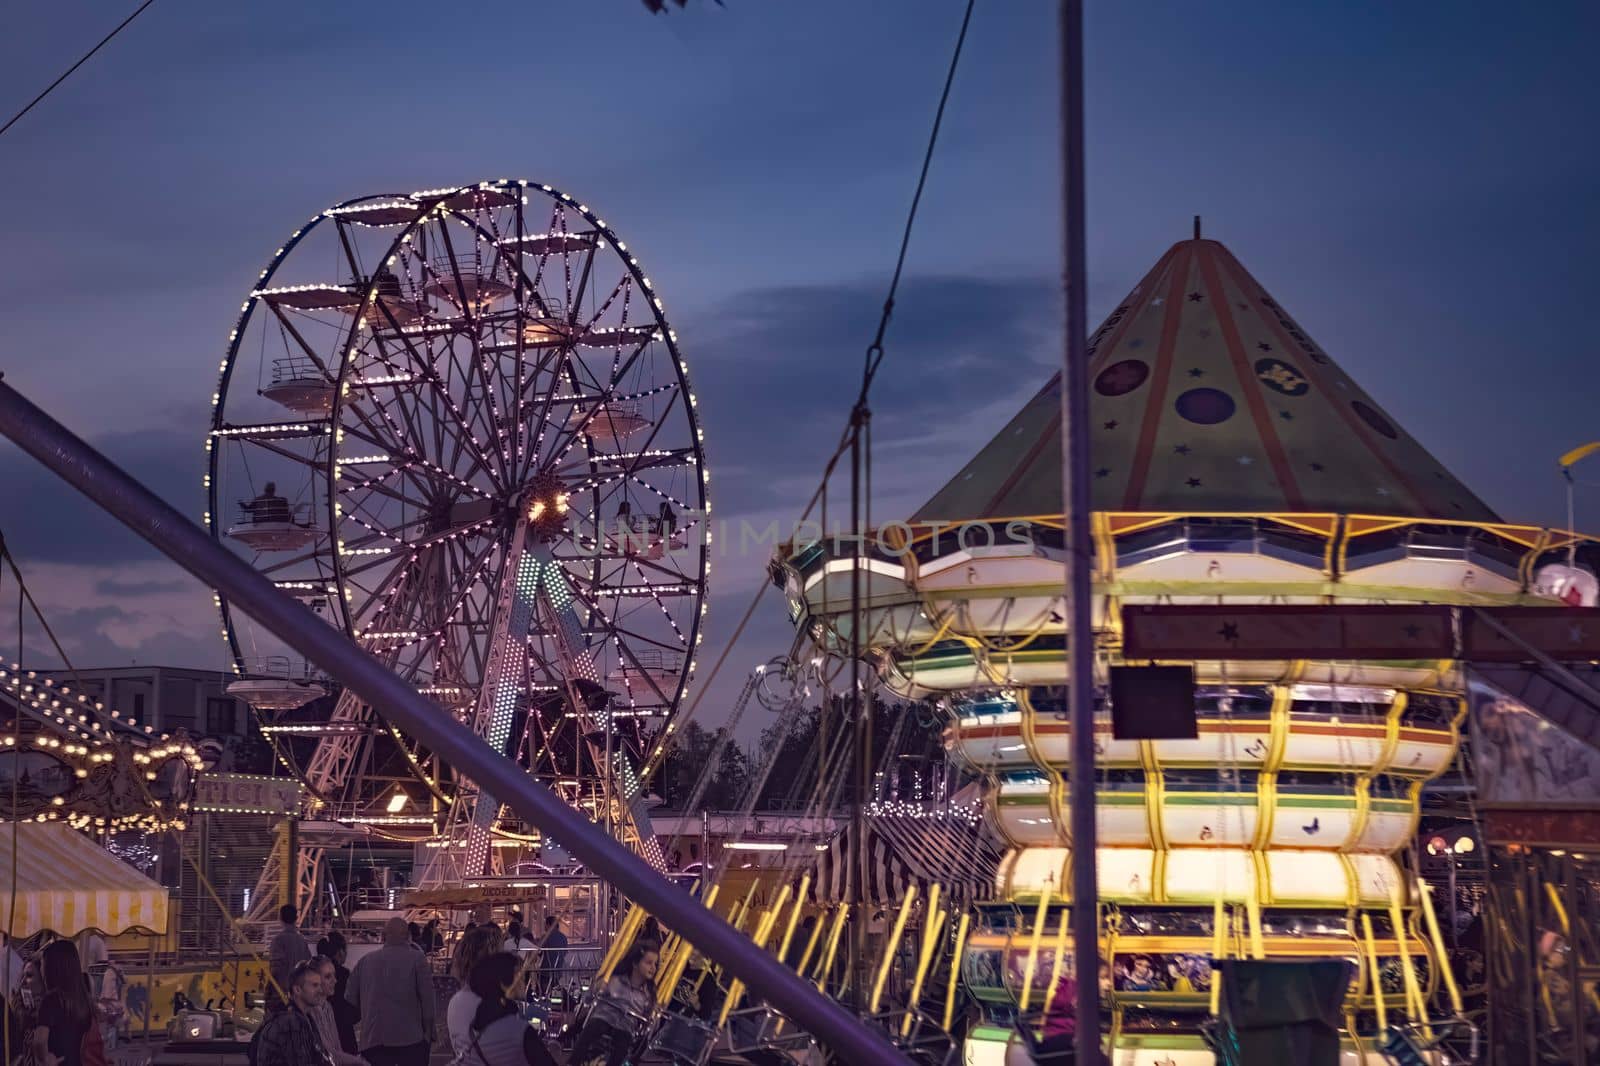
(1197, 227)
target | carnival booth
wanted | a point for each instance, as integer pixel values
(66, 884)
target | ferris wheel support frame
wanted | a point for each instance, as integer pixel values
(92, 474)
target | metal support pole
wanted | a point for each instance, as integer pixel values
(1569, 874)
(1080, 548)
(861, 716)
(705, 852)
(192, 548)
(1528, 950)
(1455, 918)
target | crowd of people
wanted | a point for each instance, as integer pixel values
(63, 1000)
(383, 1011)
(63, 1005)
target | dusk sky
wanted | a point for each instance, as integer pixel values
(1415, 183)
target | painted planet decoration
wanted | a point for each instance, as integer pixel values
(1121, 378)
(1374, 419)
(1205, 407)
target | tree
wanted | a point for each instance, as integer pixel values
(689, 757)
(730, 780)
(792, 745)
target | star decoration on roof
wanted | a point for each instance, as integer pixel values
(1104, 471)
(1196, 372)
(1181, 449)
(1113, 424)
(1193, 483)
(1264, 346)
(1318, 467)
(1195, 297)
(1229, 631)
(1413, 631)
(1287, 416)
(1137, 342)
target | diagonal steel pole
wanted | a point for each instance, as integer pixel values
(192, 548)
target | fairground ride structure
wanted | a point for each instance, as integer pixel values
(457, 424)
(1235, 464)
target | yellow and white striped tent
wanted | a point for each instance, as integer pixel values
(66, 883)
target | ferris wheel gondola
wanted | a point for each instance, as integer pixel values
(439, 381)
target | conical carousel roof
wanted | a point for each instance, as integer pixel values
(1206, 396)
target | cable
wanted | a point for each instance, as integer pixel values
(86, 57)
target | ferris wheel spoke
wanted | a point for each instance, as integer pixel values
(494, 428)
(557, 373)
(376, 484)
(424, 365)
(572, 434)
(408, 474)
(611, 623)
(393, 534)
(390, 583)
(413, 431)
(624, 284)
(422, 479)
(463, 437)
(409, 440)
(306, 348)
(575, 300)
(603, 393)
(671, 574)
(266, 444)
(662, 493)
(467, 579)
(674, 400)
(284, 564)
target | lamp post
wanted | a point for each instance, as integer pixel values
(1450, 849)
(1568, 461)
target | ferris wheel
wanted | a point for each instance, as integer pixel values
(426, 398)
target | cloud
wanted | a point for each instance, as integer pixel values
(49, 521)
(169, 622)
(778, 369)
(112, 587)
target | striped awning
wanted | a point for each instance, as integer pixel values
(903, 850)
(66, 883)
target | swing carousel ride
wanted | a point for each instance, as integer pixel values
(456, 424)
(1235, 464)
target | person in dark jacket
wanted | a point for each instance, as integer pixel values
(66, 1014)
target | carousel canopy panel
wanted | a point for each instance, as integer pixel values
(66, 883)
(1207, 396)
